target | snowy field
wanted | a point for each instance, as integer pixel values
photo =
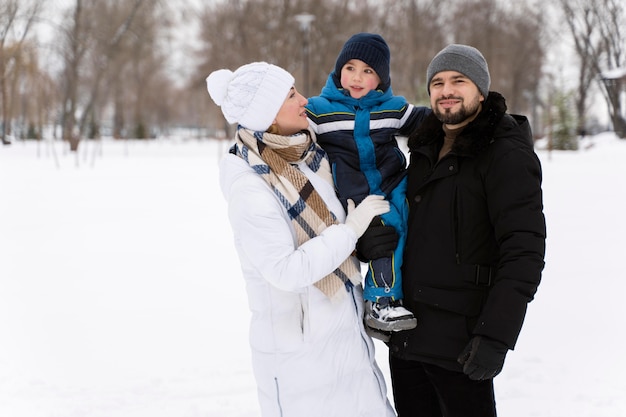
(121, 293)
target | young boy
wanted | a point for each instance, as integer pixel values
(356, 118)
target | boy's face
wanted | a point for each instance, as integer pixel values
(358, 78)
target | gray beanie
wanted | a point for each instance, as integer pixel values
(464, 59)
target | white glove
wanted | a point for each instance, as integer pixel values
(359, 218)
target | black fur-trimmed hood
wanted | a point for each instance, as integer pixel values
(475, 137)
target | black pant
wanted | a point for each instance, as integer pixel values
(424, 390)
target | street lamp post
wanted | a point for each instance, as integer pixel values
(305, 20)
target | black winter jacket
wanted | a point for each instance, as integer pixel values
(476, 235)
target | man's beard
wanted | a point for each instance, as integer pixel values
(465, 112)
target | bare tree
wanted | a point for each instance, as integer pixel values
(134, 65)
(597, 30)
(613, 34)
(17, 18)
(76, 42)
(116, 71)
(238, 32)
(31, 91)
(582, 23)
(414, 33)
(92, 54)
(511, 40)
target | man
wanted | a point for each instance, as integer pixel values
(475, 246)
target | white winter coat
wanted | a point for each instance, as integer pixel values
(311, 356)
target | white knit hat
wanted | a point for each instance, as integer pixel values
(252, 95)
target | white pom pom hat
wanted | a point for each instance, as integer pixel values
(252, 95)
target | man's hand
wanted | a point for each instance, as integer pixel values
(483, 358)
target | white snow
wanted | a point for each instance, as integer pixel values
(121, 293)
(613, 74)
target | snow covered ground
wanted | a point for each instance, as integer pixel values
(121, 294)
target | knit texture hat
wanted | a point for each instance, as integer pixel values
(252, 95)
(464, 59)
(369, 48)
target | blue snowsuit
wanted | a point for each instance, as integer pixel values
(359, 136)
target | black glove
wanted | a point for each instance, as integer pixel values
(378, 241)
(483, 358)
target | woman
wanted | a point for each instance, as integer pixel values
(310, 353)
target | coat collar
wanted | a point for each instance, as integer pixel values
(374, 98)
(476, 135)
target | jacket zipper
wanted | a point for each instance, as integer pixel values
(381, 384)
(456, 227)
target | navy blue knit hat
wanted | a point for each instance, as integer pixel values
(369, 48)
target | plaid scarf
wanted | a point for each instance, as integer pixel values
(273, 157)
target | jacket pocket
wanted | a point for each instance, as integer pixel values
(304, 316)
(465, 301)
(283, 327)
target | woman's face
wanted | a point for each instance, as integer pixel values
(291, 117)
